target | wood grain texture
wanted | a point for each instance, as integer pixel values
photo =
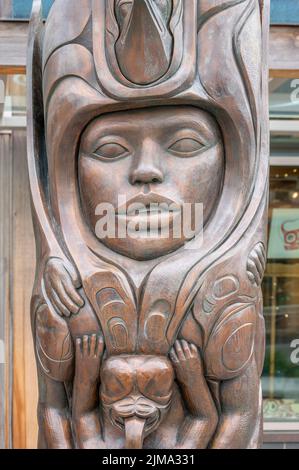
(13, 39)
(23, 268)
(5, 287)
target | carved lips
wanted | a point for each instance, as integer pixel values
(150, 210)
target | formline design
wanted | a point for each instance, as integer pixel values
(143, 342)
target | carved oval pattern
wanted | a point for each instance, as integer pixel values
(54, 347)
(156, 324)
(225, 286)
(241, 340)
(119, 333)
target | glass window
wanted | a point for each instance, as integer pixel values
(12, 101)
(284, 98)
(281, 298)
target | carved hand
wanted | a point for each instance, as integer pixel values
(61, 283)
(186, 361)
(89, 353)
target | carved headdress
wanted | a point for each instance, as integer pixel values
(162, 53)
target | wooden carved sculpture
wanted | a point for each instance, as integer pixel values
(149, 341)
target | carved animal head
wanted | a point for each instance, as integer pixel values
(136, 394)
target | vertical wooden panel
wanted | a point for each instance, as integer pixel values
(5, 278)
(5, 8)
(24, 378)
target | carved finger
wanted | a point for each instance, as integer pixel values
(53, 299)
(78, 347)
(261, 253)
(100, 346)
(58, 305)
(72, 292)
(85, 348)
(63, 296)
(173, 356)
(73, 273)
(92, 345)
(47, 282)
(179, 351)
(252, 269)
(186, 349)
(259, 266)
(194, 350)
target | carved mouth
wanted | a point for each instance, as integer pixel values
(147, 200)
(150, 422)
(149, 209)
(150, 212)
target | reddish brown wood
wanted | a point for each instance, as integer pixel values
(148, 341)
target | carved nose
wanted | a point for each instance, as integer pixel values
(146, 175)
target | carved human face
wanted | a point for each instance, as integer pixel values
(164, 155)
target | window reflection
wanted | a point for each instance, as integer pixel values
(281, 297)
(12, 101)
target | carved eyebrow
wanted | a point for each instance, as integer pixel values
(121, 2)
(202, 128)
(206, 128)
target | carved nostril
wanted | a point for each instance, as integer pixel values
(146, 177)
(156, 180)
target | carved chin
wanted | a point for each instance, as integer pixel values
(143, 249)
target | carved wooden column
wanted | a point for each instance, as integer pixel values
(149, 341)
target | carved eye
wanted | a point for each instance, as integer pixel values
(186, 147)
(111, 151)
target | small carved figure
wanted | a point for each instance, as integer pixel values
(131, 395)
